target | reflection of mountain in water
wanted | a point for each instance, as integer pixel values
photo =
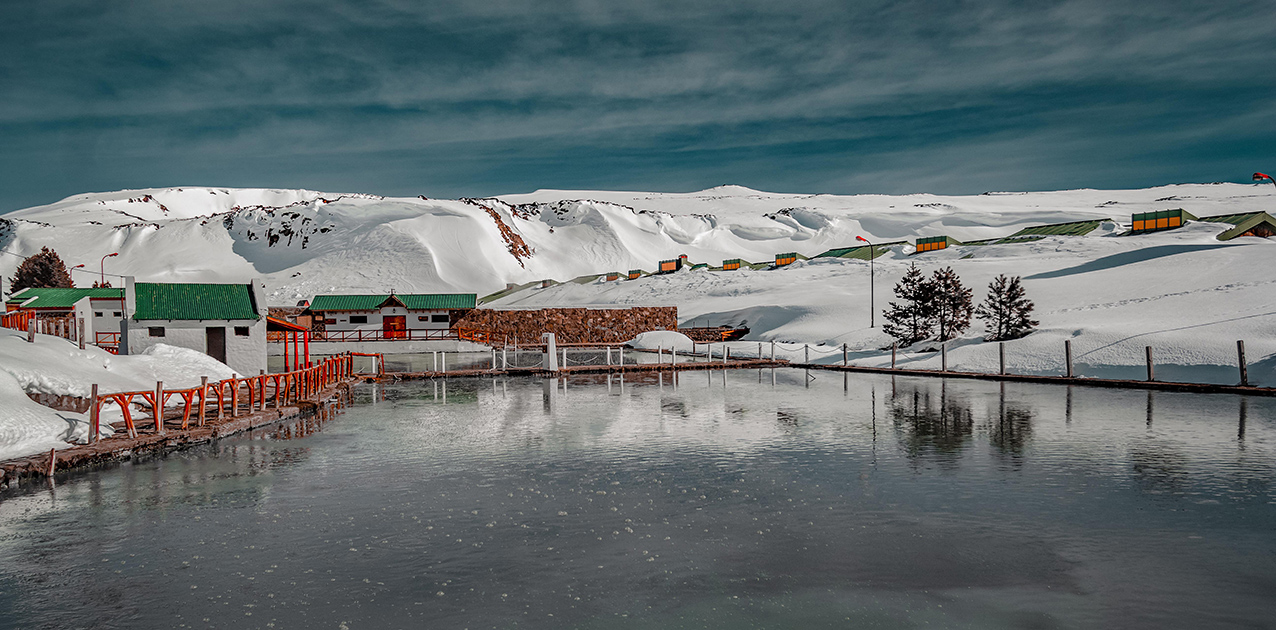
(933, 429)
(1010, 430)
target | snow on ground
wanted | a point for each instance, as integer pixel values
(1183, 292)
(55, 366)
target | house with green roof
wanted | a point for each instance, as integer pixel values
(389, 316)
(225, 321)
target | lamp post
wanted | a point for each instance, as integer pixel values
(1258, 177)
(872, 309)
(102, 282)
(73, 269)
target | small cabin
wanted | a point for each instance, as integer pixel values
(613, 276)
(934, 243)
(225, 321)
(1161, 220)
(1258, 224)
(635, 274)
(670, 266)
(785, 259)
(731, 264)
(390, 316)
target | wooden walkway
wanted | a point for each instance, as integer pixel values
(1198, 388)
(731, 364)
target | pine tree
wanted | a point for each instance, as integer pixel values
(42, 270)
(951, 303)
(909, 320)
(1007, 312)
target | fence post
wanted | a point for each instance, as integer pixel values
(608, 355)
(1001, 357)
(442, 361)
(726, 354)
(203, 398)
(673, 356)
(565, 357)
(806, 353)
(772, 350)
(1240, 357)
(234, 394)
(261, 381)
(79, 331)
(159, 407)
(894, 347)
(95, 416)
(843, 355)
(943, 357)
(53, 460)
(1148, 351)
(31, 330)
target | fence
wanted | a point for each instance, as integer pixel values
(58, 326)
(226, 395)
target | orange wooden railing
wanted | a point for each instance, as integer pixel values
(227, 395)
(49, 325)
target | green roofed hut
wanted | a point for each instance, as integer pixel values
(1246, 224)
(1145, 222)
(225, 321)
(1038, 232)
(934, 243)
(389, 316)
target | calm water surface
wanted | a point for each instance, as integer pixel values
(744, 499)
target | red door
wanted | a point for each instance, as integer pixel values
(394, 327)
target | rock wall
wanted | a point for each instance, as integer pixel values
(569, 325)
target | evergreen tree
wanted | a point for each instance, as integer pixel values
(42, 270)
(1007, 312)
(951, 303)
(909, 320)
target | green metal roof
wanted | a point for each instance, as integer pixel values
(59, 297)
(1234, 219)
(1255, 220)
(194, 301)
(1072, 228)
(859, 252)
(412, 301)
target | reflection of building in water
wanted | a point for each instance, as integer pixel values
(932, 428)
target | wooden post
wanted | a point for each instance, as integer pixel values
(159, 407)
(261, 391)
(79, 331)
(1148, 351)
(31, 330)
(203, 398)
(1067, 356)
(234, 395)
(726, 354)
(95, 416)
(53, 460)
(943, 357)
(1240, 358)
(608, 355)
(843, 354)
(673, 356)
(1001, 357)
(772, 350)
(894, 347)
(806, 353)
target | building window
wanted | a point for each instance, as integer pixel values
(241, 331)
(423, 318)
(358, 319)
(97, 313)
(116, 314)
(156, 331)
(439, 318)
(329, 321)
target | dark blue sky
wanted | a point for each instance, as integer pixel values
(401, 97)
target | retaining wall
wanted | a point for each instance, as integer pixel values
(570, 325)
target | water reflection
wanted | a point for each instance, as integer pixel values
(723, 502)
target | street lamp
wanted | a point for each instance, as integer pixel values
(1258, 177)
(73, 269)
(102, 282)
(872, 309)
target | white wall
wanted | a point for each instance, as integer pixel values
(375, 319)
(87, 310)
(245, 355)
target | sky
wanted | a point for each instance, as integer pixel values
(449, 99)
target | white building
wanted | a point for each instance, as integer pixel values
(224, 321)
(389, 316)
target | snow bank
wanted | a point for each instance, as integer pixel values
(55, 366)
(666, 339)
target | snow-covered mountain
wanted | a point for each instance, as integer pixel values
(305, 242)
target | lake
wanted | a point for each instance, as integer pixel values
(748, 498)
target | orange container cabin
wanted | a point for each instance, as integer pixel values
(670, 266)
(731, 265)
(1162, 220)
(785, 259)
(613, 275)
(931, 243)
(635, 274)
